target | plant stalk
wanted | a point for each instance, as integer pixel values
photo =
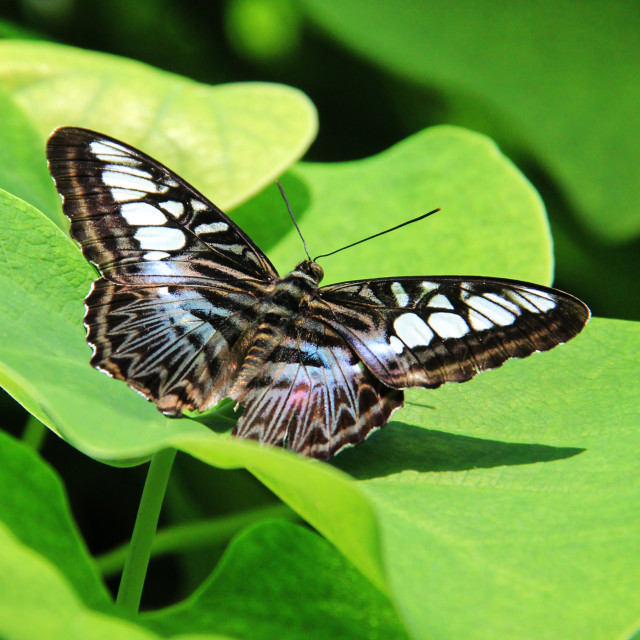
(34, 434)
(137, 561)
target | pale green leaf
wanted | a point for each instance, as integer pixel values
(228, 141)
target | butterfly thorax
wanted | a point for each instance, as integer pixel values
(280, 315)
(288, 293)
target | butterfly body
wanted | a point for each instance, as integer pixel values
(189, 311)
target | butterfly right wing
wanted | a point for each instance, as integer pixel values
(181, 281)
(417, 331)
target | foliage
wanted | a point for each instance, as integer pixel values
(504, 507)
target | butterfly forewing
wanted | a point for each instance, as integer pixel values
(428, 331)
(136, 220)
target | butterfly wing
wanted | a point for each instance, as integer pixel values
(314, 396)
(180, 281)
(135, 219)
(428, 331)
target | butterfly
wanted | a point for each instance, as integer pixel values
(188, 311)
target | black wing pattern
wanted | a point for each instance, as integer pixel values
(431, 330)
(180, 281)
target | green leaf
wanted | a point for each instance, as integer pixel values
(34, 508)
(518, 508)
(559, 79)
(37, 602)
(23, 169)
(278, 580)
(492, 221)
(228, 141)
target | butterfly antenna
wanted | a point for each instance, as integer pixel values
(375, 235)
(284, 197)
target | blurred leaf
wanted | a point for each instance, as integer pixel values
(33, 506)
(37, 602)
(263, 30)
(228, 141)
(23, 166)
(278, 580)
(562, 78)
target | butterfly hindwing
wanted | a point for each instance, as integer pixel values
(313, 395)
(174, 345)
(136, 220)
(428, 331)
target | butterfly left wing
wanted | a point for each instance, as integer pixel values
(313, 395)
(180, 280)
(138, 221)
(427, 331)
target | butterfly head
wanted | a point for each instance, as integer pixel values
(312, 269)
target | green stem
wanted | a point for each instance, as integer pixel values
(34, 433)
(195, 535)
(137, 560)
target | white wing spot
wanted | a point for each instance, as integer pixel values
(142, 214)
(494, 312)
(440, 302)
(175, 208)
(428, 287)
(514, 308)
(160, 238)
(198, 205)
(155, 255)
(213, 227)
(126, 195)
(106, 149)
(127, 181)
(401, 296)
(478, 321)
(538, 299)
(448, 325)
(412, 330)
(397, 346)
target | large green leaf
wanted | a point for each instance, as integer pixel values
(37, 602)
(518, 509)
(559, 78)
(489, 507)
(278, 580)
(229, 141)
(34, 508)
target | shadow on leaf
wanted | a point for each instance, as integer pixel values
(401, 446)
